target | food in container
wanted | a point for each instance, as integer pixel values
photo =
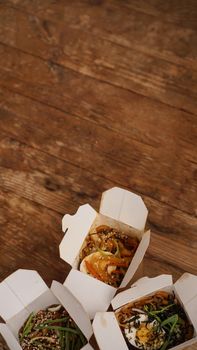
(106, 254)
(123, 212)
(38, 317)
(156, 322)
(51, 328)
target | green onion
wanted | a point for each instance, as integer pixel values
(59, 328)
(67, 341)
(57, 320)
(28, 326)
(83, 340)
(150, 313)
(172, 319)
(162, 310)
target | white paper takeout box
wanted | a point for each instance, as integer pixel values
(106, 328)
(24, 292)
(119, 209)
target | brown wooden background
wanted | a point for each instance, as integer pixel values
(96, 94)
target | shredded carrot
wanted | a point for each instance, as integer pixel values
(162, 294)
(118, 272)
(92, 270)
(117, 261)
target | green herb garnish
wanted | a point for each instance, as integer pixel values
(28, 326)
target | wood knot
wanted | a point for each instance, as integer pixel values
(51, 185)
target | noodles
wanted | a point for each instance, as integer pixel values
(53, 329)
(107, 254)
(157, 322)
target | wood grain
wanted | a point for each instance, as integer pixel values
(129, 65)
(96, 94)
(103, 146)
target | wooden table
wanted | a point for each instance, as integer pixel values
(96, 94)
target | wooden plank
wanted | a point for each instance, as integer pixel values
(94, 100)
(40, 177)
(170, 80)
(30, 235)
(105, 105)
(104, 152)
(176, 11)
(28, 175)
(121, 18)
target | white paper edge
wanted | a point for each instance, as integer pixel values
(107, 332)
(124, 206)
(137, 259)
(9, 337)
(140, 289)
(87, 347)
(76, 227)
(186, 288)
(185, 345)
(18, 290)
(73, 307)
(93, 294)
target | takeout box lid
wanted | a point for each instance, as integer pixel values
(125, 206)
(106, 329)
(25, 289)
(117, 203)
(76, 228)
(73, 307)
(9, 337)
(140, 289)
(186, 288)
(93, 294)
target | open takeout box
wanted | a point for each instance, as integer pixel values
(119, 209)
(106, 329)
(24, 292)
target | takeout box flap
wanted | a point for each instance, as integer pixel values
(107, 332)
(18, 290)
(87, 347)
(140, 289)
(137, 259)
(9, 337)
(186, 288)
(124, 206)
(74, 308)
(93, 294)
(76, 228)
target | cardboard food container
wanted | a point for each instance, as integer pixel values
(24, 292)
(105, 325)
(120, 209)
